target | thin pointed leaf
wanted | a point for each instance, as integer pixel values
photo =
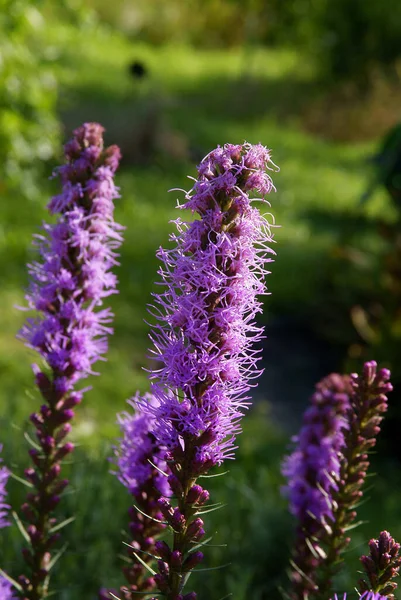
(62, 524)
(354, 525)
(21, 527)
(11, 580)
(143, 551)
(194, 548)
(304, 575)
(215, 475)
(316, 552)
(211, 568)
(21, 480)
(204, 512)
(57, 556)
(144, 564)
(32, 442)
(148, 516)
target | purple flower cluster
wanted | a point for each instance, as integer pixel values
(4, 475)
(77, 254)
(206, 329)
(136, 448)
(140, 465)
(313, 469)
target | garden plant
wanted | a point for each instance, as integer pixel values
(205, 357)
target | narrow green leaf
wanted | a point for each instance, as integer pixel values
(11, 580)
(148, 516)
(32, 442)
(211, 476)
(21, 480)
(211, 568)
(57, 556)
(194, 548)
(62, 524)
(144, 564)
(204, 512)
(143, 551)
(21, 527)
(354, 525)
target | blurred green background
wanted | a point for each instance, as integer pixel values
(318, 83)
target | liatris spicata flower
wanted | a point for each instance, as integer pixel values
(312, 473)
(204, 339)
(368, 403)
(381, 566)
(4, 507)
(142, 470)
(322, 532)
(70, 333)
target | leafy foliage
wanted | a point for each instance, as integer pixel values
(28, 125)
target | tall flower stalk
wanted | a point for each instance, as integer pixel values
(327, 471)
(312, 473)
(69, 284)
(204, 340)
(367, 407)
(142, 470)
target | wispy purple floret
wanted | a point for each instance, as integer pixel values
(6, 589)
(136, 448)
(212, 278)
(77, 254)
(4, 507)
(313, 469)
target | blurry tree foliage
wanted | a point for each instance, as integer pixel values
(356, 37)
(349, 39)
(29, 131)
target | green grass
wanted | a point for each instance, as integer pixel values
(208, 98)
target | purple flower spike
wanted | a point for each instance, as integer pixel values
(312, 473)
(68, 287)
(212, 279)
(324, 498)
(203, 341)
(136, 448)
(142, 470)
(4, 507)
(78, 253)
(313, 469)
